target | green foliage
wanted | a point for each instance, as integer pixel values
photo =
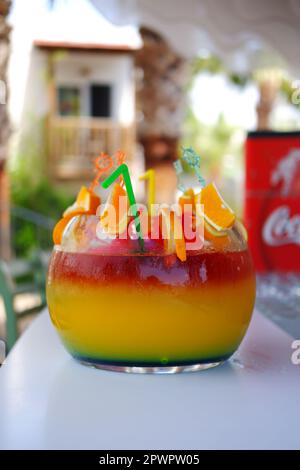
(43, 204)
(239, 80)
(288, 90)
(212, 142)
(36, 203)
(28, 161)
(214, 65)
(221, 145)
(209, 63)
(43, 197)
(25, 238)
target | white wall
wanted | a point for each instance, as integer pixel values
(82, 69)
(28, 104)
(36, 93)
(70, 69)
(70, 21)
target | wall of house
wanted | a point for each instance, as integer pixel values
(32, 20)
(83, 68)
(28, 74)
(70, 68)
(29, 107)
(79, 69)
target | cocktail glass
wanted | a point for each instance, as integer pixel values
(119, 309)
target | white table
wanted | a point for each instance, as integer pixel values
(48, 401)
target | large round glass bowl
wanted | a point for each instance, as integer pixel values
(118, 309)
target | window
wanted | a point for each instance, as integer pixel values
(100, 101)
(93, 100)
(68, 101)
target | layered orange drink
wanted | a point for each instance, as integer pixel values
(165, 305)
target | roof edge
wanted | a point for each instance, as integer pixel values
(85, 47)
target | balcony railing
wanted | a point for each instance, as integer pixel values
(75, 142)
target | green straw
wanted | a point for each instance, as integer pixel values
(123, 170)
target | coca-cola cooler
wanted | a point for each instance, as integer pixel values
(272, 200)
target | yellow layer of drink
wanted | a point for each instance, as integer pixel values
(142, 310)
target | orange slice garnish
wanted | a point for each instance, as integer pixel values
(62, 223)
(219, 239)
(114, 218)
(173, 234)
(210, 232)
(216, 212)
(180, 247)
(86, 201)
(59, 230)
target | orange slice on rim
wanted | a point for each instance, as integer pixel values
(62, 223)
(114, 218)
(86, 201)
(219, 239)
(173, 234)
(210, 232)
(216, 212)
(177, 228)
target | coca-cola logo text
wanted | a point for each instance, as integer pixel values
(281, 229)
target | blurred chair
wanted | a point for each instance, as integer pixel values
(12, 285)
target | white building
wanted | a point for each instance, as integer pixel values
(72, 86)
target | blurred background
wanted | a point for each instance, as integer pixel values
(82, 76)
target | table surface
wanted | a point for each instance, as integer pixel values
(49, 401)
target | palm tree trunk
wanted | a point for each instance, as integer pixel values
(269, 82)
(4, 131)
(162, 75)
